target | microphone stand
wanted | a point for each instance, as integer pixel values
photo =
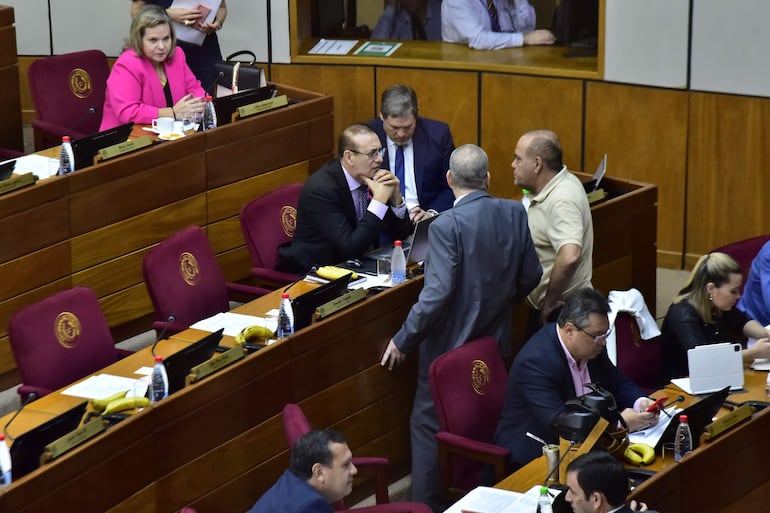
(31, 397)
(171, 319)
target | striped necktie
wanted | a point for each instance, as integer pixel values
(493, 15)
(399, 171)
(363, 201)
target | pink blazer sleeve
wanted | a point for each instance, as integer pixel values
(134, 92)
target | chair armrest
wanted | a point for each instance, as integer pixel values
(25, 390)
(450, 444)
(377, 469)
(242, 292)
(272, 277)
(122, 353)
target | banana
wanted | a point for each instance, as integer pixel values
(332, 273)
(639, 454)
(253, 333)
(126, 403)
(100, 404)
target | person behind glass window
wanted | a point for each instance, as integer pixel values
(410, 19)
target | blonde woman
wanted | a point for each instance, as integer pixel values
(704, 313)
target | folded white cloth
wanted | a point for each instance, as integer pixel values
(630, 301)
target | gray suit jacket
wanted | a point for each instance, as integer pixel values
(481, 260)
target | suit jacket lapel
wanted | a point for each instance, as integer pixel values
(341, 184)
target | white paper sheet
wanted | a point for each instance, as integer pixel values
(493, 500)
(42, 167)
(102, 385)
(233, 323)
(333, 46)
(651, 436)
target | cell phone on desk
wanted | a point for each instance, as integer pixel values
(657, 405)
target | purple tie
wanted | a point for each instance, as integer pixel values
(363, 201)
(400, 168)
(493, 15)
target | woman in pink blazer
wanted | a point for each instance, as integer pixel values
(151, 78)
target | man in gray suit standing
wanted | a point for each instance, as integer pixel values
(481, 260)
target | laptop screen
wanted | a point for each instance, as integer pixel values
(699, 415)
(86, 148)
(227, 105)
(178, 365)
(304, 305)
(28, 447)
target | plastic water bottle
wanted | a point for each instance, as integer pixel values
(159, 381)
(285, 317)
(5, 462)
(683, 438)
(526, 199)
(209, 114)
(544, 504)
(66, 157)
(398, 264)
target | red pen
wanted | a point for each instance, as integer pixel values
(655, 407)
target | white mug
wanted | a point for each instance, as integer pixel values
(163, 125)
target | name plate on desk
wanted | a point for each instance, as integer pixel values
(211, 366)
(119, 149)
(17, 182)
(339, 303)
(725, 422)
(72, 440)
(256, 108)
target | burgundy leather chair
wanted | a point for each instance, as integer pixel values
(60, 340)
(639, 360)
(68, 93)
(8, 154)
(295, 424)
(744, 252)
(468, 387)
(183, 279)
(268, 222)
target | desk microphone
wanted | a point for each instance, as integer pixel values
(169, 321)
(89, 112)
(679, 399)
(31, 397)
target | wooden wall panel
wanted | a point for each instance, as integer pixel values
(114, 275)
(34, 228)
(727, 180)
(10, 100)
(351, 86)
(511, 105)
(137, 232)
(126, 305)
(34, 270)
(643, 131)
(448, 96)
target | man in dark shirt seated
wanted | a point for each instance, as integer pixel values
(321, 472)
(553, 367)
(345, 206)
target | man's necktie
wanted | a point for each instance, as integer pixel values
(493, 15)
(363, 201)
(400, 167)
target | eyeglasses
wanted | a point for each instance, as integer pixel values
(597, 338)
(371, 155)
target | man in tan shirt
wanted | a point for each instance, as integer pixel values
(559, 218)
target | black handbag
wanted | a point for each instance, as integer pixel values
(233, 76)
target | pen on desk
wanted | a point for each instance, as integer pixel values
(468, 511)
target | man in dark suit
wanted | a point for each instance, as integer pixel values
(553, 367)
(337, 218)
(598, 483)
(423, 157)
(480, 261)
(321, 472)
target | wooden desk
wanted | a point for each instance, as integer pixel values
(93, 227)
(727, 475)
(219, 443)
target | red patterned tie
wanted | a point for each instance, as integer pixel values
(493, 16)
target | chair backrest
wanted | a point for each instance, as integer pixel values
(61, 339)
(269, 221)
(64, 87)
(295, 423)
(183, 278)
(744, 252)
(468, 387)
(639, 360)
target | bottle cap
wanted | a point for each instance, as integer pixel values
(208, 98)
(682, 418)
(397, 243)
(158, 358)
(65, 138)
(2, 437)
(543, 490)
(524, 191)
(284, 295)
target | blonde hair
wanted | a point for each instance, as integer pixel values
(713, 268)
(149, 16)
